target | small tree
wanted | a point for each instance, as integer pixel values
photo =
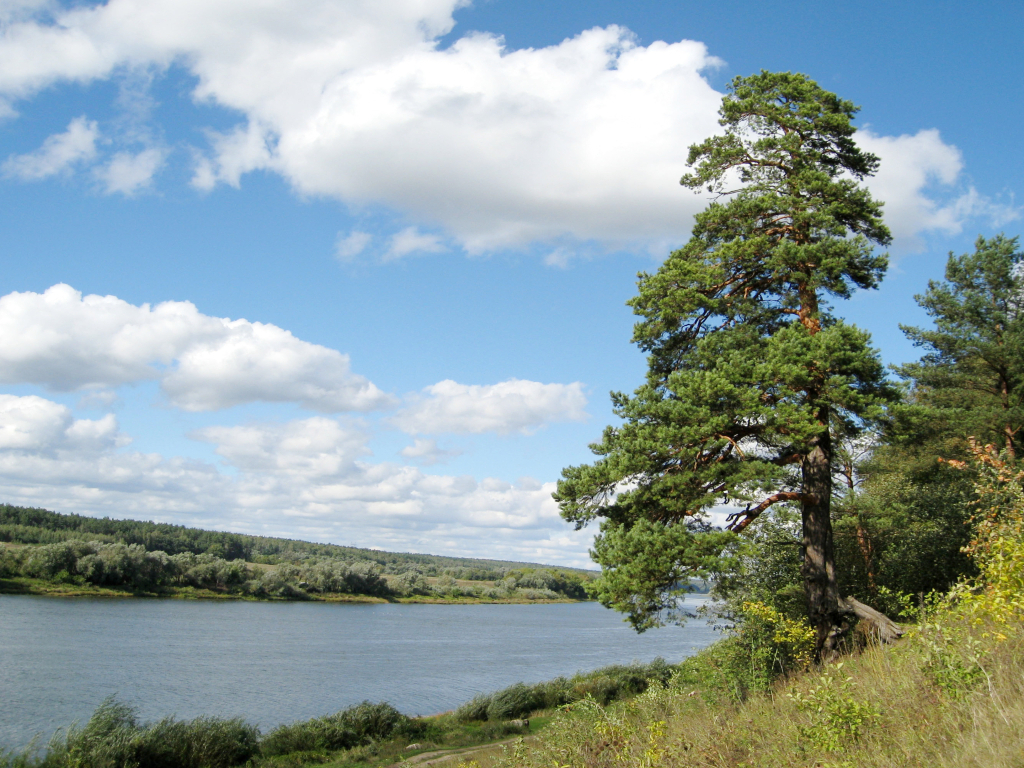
(971, 377)
(750, 377)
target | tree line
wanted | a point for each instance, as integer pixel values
(154, 557)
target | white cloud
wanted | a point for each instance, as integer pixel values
(64, 341)
(915, 179)
(427, 453)
(411, 240)
(584, 140)
(511, 406)
(311, 473)
(306, 478)
(49, 458)
(129, 173)
(58, 154)
(36, 424)
(310, 449)
(347, 247)
(239, 151)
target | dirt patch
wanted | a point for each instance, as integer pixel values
(443, 755)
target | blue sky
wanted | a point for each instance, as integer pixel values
(365, 263)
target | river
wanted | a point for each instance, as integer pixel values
(279, 662)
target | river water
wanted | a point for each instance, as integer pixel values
(280, 662)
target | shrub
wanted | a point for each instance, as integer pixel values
(349, 728)
(837, 717)
(602, 685)
(113, 739)
(474, 709)
(512, 702)
(205, 742)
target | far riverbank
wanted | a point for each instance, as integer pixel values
(46, 588)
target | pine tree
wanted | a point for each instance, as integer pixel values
(750, 378)
(970, 381)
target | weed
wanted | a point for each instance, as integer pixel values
(837, 718)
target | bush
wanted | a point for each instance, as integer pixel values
(205, 742)
(349, 728)
(513, 702)
(113, 739)
(602, 685)
(474, 709)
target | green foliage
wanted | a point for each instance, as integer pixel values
(763, 646)
(122, 553)
(113, 738)
(349, 728)
(765, 569)
(648, 566)
(837, 716)
(747, 371)
(602, 685)
(515, 701)
(952, 657)
(905, 530)
(970, 381)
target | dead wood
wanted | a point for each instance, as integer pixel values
(881, 627)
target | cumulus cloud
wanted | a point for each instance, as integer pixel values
(354, 99)
(313, 472)
(308, 478)
(915, 179)
(128, 173)
(511, 406)
(58, 154)
(313, 448)
(49, 458)
(35, 424)
(65, 341)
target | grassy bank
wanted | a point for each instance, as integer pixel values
(950, 695)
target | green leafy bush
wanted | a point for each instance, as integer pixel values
(349, 728)
(602, 685)
(113, 738)
(512, 702)
(837, 717)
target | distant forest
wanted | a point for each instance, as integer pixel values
(148, 556)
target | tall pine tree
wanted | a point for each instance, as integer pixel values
(751, 379)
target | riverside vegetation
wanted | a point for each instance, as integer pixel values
(44, 552)
(363, 735)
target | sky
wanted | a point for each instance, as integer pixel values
(355, 271)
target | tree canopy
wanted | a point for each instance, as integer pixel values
(750, 376)
(970, 379)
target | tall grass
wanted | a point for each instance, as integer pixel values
(946, 698)
(602, 685)
(349, 728)
(113, 738)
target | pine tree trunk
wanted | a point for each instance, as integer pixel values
(819, 569)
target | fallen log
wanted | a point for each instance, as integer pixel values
(880, 626)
